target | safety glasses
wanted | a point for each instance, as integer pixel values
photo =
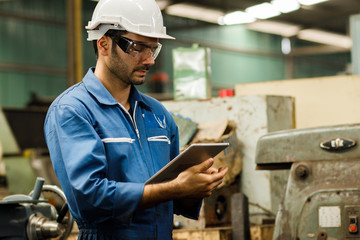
(136, 48)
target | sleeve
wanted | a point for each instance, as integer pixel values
(79, 160)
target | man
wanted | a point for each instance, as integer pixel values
(106, 139)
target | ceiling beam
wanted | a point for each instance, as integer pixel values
(315, 50)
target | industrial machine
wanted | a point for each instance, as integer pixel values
(43, 214)
(322, 196)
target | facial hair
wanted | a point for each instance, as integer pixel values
(123, 70)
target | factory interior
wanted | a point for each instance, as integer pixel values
(278, 80)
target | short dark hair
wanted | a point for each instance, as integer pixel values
(94, 42)
(111, 32)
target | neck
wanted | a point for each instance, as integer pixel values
(119, 90)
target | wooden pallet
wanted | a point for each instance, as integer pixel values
(262, 232)
(258, 232)
(189, 234)
(204, 234)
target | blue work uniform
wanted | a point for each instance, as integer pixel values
(102, 157)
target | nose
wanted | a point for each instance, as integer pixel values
(148, 57)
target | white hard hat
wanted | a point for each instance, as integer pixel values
(142, 17)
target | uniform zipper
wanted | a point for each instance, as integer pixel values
(136, 129)
(133, 120)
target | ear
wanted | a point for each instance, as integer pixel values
(104, 45)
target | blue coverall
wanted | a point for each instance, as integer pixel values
(102, 156)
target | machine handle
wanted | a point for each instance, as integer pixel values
(62, 212)
(38, 188)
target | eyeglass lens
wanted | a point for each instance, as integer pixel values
(137, 49)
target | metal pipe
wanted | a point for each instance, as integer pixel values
(31, 68)
(78, 40)
(31, 18)
(355, 36)
(317, 50)
(289, 67)
(229, 49)
(70, 42)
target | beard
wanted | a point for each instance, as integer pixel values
(125, 72)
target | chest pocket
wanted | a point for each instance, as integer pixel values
(162, 138)
(120, 152)
(118, 140)
(159, 144)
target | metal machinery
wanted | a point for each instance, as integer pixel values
(322, 196)
(34, 218)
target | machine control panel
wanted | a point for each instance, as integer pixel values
(353, 224)
(352, 214)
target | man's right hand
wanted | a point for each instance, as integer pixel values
(197, 182)
(200, 180)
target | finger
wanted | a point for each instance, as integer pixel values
(204, 166)
(220, 174)
(215, 184)
(217, 178)
(212, 170)
(208, 194)
(223, 170)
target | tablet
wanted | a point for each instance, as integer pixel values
(196, 153)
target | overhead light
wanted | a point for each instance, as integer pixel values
(237, 17)
(328, 38)
(278, 28)
(311, 2)
(263, 11)
(194, 12)
(286, 6)
(285, 46)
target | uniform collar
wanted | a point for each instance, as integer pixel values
(97, 89)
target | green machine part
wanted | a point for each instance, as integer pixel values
(187, 129)
(322, 196)
(191, 73)
(7, 138)
(20, 177)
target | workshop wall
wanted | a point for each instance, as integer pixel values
(32, 49)
(239, 55)
(33, 52)
(322, 65)
(322, 101)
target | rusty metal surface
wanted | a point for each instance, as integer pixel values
(240, 216)
(326, 183)
(286, 147)
(217, 207)
(254, 116)
(323, 188)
